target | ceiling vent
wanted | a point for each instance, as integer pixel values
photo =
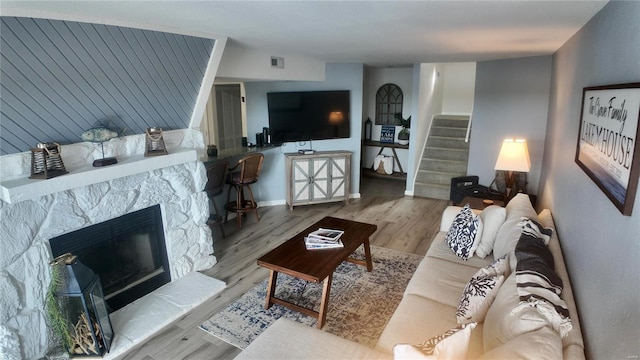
(277, 62)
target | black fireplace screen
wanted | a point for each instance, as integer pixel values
(128, 253)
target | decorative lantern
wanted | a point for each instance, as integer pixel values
(368, 125)
(155, 143)
(86, 309)
(46, 161)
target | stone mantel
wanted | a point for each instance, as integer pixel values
(22, 188)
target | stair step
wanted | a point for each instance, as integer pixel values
(446, 153)
(441, 165)
(451, 122)
(452, 117)
(447, 142)
(453, 132)
(432, 191)
(437, 177)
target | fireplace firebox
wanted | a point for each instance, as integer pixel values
(128, 253)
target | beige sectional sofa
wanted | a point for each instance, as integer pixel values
(428, 308)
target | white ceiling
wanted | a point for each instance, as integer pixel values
(377, 33)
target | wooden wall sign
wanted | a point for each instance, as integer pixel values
(607, 147)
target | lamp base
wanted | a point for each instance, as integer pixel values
(104, 162)
(516, 183)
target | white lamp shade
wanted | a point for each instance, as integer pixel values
(514, 156)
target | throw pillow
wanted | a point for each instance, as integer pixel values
(492, 219)
(481, 290)
(509, 233)
(452, 344)
(462, 235)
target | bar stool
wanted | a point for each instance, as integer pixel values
(242, 175)
(216, 175)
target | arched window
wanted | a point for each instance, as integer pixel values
(388, 103)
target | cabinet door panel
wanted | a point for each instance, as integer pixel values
(320, 179)
(338, 175)
(301, 180)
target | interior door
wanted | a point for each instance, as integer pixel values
(229, 116)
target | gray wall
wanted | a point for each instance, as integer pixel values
(270, 189)
(511, 100)
(601, 247)
(60, 77)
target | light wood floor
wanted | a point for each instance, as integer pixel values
(404, 223)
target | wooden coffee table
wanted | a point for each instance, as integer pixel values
(292, 258)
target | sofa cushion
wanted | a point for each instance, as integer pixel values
(440, 280)
(501, 325)
(439, 249)
(492, 219)
(464, 233)
(452, 344)
(480, 291)
(416, 319)
(287, 339)
(509, 233)
(543, 343)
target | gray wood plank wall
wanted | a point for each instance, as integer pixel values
(60, 78)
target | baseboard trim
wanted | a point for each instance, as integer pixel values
(272, 203)
(284, 202)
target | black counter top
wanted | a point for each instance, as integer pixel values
(237, 153)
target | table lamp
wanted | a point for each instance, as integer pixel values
(513, 157)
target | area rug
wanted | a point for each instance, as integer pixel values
(360, 302)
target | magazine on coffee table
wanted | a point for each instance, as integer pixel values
(327, 234)
(324, 239)
(313, 244)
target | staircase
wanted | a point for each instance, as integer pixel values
(444, 157)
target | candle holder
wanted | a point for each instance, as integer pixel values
(155, 143)
(46, 161)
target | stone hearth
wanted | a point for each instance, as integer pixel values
(89, 196)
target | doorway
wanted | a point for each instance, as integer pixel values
(229, 116)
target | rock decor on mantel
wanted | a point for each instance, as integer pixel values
(27, 226)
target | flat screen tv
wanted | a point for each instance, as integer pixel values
(308, 115)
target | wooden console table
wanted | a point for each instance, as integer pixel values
(392, 146)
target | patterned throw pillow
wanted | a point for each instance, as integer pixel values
(452, 344)
(462, 236)
(481, 290)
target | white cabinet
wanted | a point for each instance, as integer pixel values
(317, 178)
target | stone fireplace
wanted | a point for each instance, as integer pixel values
(128, 253)
(35, 211)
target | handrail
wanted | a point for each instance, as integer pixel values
(424, 145)
(466, 137)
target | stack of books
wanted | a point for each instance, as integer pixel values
(324, 239)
